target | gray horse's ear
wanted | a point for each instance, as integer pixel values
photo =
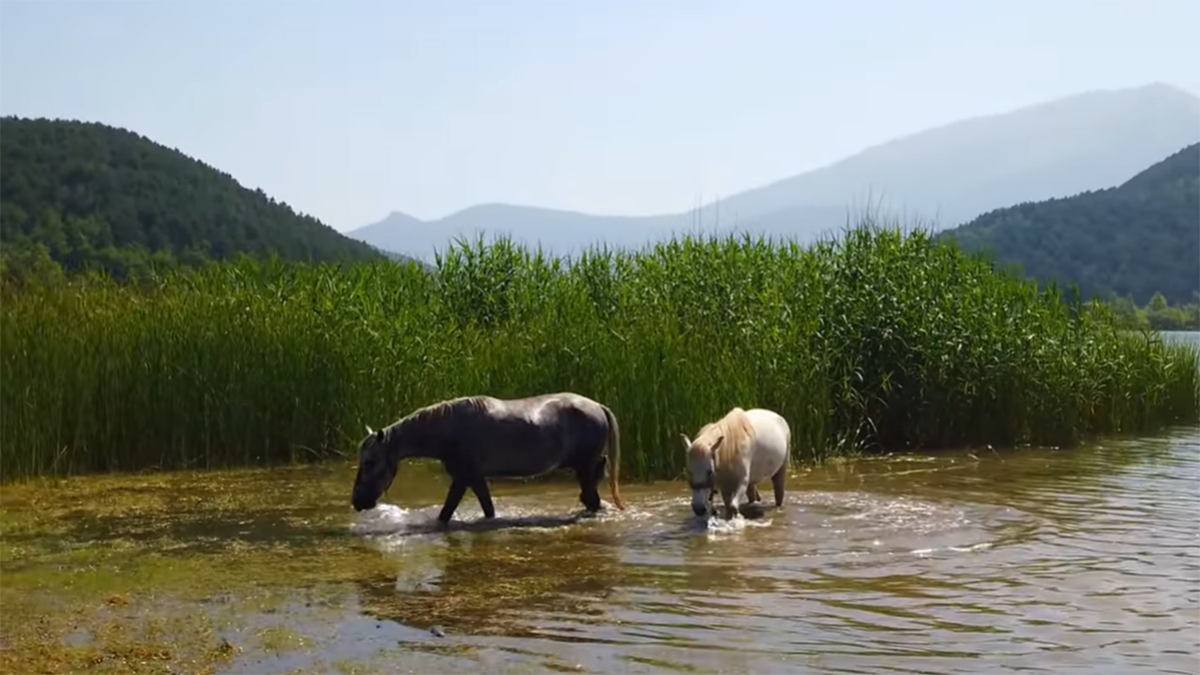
(687, 442)
(370, 431)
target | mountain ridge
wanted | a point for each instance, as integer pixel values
(1132, 240)
(1102, 136)
(89, 194)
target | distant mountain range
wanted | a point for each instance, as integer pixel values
(1132, 240)
(952, 173)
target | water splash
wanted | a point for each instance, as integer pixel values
(926, 552)
(384, 519)
(391, 521)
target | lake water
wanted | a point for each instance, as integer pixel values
(1032, 561)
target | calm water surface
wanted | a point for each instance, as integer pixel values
(1033, 561)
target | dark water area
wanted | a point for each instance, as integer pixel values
(1032, 560)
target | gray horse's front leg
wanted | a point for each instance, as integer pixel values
(752, 496)
(458, 488)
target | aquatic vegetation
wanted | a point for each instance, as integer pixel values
(256, 571)
(876, 340)
(167, 573)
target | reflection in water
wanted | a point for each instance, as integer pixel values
(966, 562)
(501, 581)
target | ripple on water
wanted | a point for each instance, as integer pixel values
(1025, 561)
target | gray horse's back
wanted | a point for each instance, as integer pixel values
(535, 434)
(559, 409)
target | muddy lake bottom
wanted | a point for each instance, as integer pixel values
(1030, 560)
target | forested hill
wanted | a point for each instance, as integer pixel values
(1134, 239)
(93, 194)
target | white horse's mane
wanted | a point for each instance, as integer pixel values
(738, 431)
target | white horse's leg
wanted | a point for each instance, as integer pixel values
(752, 496)
(777, 483)
(729, 498)
(733, 498)
(739, 498)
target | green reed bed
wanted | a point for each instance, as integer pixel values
(876, 340)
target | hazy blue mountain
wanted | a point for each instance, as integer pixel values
(952, 173)
(389, 233)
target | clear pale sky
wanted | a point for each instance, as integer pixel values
(350, 110)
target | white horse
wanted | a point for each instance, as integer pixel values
(734, 453)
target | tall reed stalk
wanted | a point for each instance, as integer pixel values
(878, 340)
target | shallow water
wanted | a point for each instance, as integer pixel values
(1022, 561)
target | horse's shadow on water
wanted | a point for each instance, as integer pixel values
(391, 521)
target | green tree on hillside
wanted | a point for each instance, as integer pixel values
(1137, 239)
(94, 196)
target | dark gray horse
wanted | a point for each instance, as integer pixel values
(482, 437)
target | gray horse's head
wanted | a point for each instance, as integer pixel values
(376, 470)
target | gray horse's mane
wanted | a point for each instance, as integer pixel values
(435, 411)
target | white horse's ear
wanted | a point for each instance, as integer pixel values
(716, 444)
(687, 442)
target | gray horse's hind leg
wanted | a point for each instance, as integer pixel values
(480, 488)
(777, 483)
(588, 478)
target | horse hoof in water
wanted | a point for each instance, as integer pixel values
(754, 510)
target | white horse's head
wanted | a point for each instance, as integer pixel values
(701, 456)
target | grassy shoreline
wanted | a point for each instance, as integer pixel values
(877, 340)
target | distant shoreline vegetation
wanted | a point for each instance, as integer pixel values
(1156, 314)
(879, 340)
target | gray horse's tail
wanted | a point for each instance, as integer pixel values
(614, 455)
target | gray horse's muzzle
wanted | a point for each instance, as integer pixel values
(700, 510)
(361, 504)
